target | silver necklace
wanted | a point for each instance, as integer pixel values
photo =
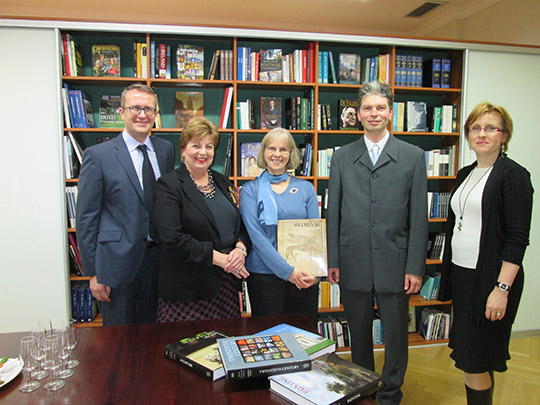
(462, 206)
(208, 191)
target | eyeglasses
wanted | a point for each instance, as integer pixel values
(135, 109)
(489, 130)
(283, 151)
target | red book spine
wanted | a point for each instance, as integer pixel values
(162, 61)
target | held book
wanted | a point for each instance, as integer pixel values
(254, 356)
(199, 353)
(332, 380)
(302, 243)
(314, 345)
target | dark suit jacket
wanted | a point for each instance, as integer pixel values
(189, 235)
(377, 222)
(112, 218)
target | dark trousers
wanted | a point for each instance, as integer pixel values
(270, 295)
(393, 311)
(136, 303)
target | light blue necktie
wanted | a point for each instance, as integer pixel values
(375, 152)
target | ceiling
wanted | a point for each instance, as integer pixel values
(368, 17)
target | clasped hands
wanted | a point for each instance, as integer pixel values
(302, 279)
(234, 263)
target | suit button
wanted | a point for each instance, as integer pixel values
(373, 225)
(146, 219)
(373, 177)
(374, 200)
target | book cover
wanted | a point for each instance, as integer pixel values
(270, 112)
(270, 69)
(199, 353)
(302, 243)
(106, 60)
(187, 104)
(314, 345)
(248, 159)
(254, 356)
(190, 62)
(349, 68)
(109, 111)
(416, 116)
(348, 117)
(332, 380)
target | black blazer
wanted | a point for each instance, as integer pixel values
(189, 235)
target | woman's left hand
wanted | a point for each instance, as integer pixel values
(235, 263)
(496, 304)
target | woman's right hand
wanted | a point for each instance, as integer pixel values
(302, 279)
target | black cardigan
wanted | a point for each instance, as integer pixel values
(188, 235)
(506, 221)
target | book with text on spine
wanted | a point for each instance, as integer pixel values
(331, 380)
(255, 356)
(314, 345)
(302, 243)
(199, 353)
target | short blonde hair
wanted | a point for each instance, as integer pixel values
(486, 108)
(283, 135)
(197, 128)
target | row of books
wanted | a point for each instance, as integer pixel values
(83, 304)
(442, 119)
(412, 71)
(324, 158)
(415, 116)
(438, 204)
(271, 65)
(72, 156)
(74, 256)
(437, 73)
(435, 246)
(71, 199)
(299, 113)
(434, 324)
(430, 286)
(78, 112)
(441, 162)
(72, 63)
(329, 295)
(302, 367)
(324, 114)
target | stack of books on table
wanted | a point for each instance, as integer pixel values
(287, 355)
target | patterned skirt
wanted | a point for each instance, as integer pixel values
(225, 305)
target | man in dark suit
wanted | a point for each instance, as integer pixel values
(377, 234)
(115, 230)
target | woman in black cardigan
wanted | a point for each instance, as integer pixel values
(487, 233)
(204, 240)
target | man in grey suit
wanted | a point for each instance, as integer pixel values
(377, 234)
(115, 231)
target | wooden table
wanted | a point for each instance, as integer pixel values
(126, 365)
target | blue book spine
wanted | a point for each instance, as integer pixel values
(81, 295)
(325, 67)
(89, 302)
(74, 302)
(446, 67)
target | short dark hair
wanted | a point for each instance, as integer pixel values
(378, 88)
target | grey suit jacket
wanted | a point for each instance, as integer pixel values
(112, 218)
(377, 222)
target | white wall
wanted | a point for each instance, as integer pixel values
(33, 279)
(512, 80)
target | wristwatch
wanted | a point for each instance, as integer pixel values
(502, 286)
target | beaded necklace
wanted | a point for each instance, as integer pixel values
(208, 191)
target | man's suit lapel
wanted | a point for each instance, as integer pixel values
(361, 154)
(122, 154)
(160, 155)
(390, 152)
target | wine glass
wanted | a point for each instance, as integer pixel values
(64, 351)
(70, 325)
(52, 359)
(45, 325)
(39, 354)
(28, 347)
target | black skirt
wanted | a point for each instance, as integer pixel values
(478, 344)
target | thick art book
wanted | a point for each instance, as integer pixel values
(302, 243)
(254, 356)
(199, 353)
(331, 380)
(314, 345)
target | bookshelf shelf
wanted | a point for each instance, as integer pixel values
(316, 92)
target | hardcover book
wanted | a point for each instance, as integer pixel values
(106, 60)
(270, 112)
(187, 104)
(270, 69)
(190, 62)
(331, 380)
(109, 111)
(248, 159)
(349, 68)
(314, 345)
(416, 116)
(348, 117)
(199, 353)
(302, 243)
(254, 356)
